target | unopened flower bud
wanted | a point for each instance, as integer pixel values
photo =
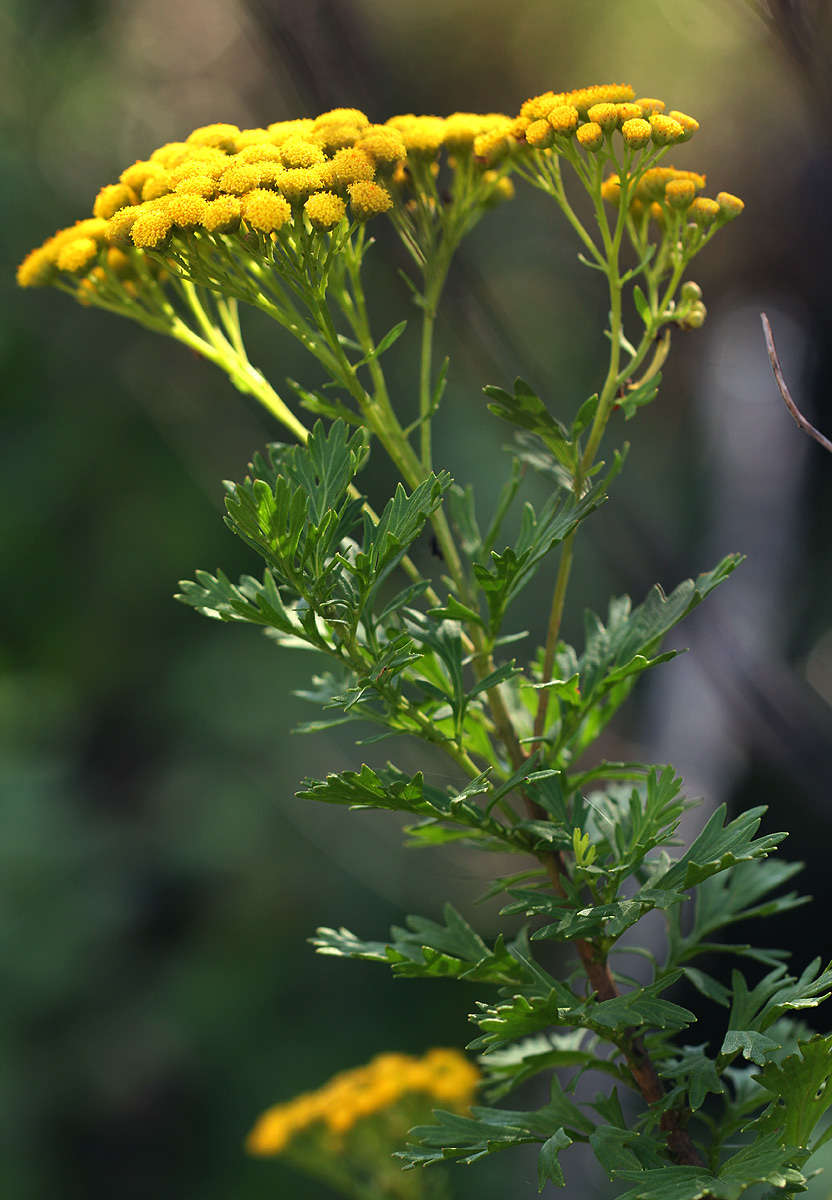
(665, 131)
(590, 135)
(704, 211)
(695, 316)
(611, 190)
(690, 291)
(636, 132)
(605, 115)
(729, 206)
(540, 135)
(679, 193)
(689, 124)
(564, 119)
(648, 105)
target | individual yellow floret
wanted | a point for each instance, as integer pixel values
(628, 112)
(265, 211)
(384, 146)
(298, 152)
(602, 93)
(653, 182)
(422, 135)
(324, 209)
(118, 263)
(611, 190)
(261, 151)
(729, 206)
(251, 137)
(280, 131)
(239, 179)
(349, 165)
(540, 135)
(223, 137)
(590, 135)
(502, 188)
(198, 185)
(37, 268)
(137, 174)
(171, 154)
(680, 192)
(537, 108)
(300, 182)
(704, 211)
(157, 185)
(636, 132)
(605, 115)
(342, 116)
(151, 229)
(119, 226)
(111, 198)
(223, 214)
(493, 147)
(650, 105)
(689, 124)
(665, 131)
(187, 212)
(564, 119)
(367, 199)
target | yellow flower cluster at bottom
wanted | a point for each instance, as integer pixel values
(351, 1096)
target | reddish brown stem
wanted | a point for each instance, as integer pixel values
(679, 1143)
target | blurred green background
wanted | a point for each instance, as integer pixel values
(158, 880)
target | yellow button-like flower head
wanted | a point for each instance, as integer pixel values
(689, 124)
(605, 115)
(729, 206)
(223, 137)
(590, 135)
(349, 165)
(666, 131)
(152, 227)
(325, 209)
(223, 214)
(540, 135)
(704, 211)
(564, 119)
(368, 199)
(298, 152)
(680, 192)
(111, 198)
(265, 211)
(636, 132)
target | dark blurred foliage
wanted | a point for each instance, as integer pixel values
(157, 878)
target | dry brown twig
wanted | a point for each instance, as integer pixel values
(797, 415)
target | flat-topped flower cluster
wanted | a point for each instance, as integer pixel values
(443, 1076)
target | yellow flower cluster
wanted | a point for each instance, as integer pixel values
(351, 1096)
(592, 114)
(662, 191)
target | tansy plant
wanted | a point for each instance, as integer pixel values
(277, 218)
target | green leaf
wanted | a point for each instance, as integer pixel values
(517, 1062)
(390, 789)
(525, 410)
(692, 1068)
(426, 949)
(386, 342)
(642, 305)
(464, 517)
(764, 1161)
(719, 847)
(549, 1169)
(755, 1046)
(510, 571)
(801, 1091)
(586, 414)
